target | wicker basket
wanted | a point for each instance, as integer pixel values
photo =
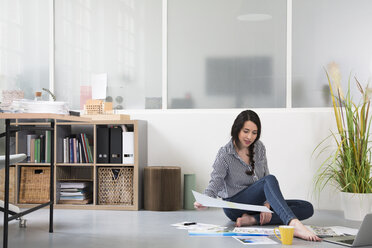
(115, 185)
(11, 184)
(34, 185)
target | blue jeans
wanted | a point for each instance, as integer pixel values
(267, 189)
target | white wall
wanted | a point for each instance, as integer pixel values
(191, 138)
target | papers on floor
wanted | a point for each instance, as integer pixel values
(212, 202)
(254, 230)
(332, 231)
(210, 230)
(254, 240)
(188, 225)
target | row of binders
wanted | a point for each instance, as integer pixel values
(115, 145)
(75, 193)
(38, 147)
(76, 149)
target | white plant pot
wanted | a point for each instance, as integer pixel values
(356, 206)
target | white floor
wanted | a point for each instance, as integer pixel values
(98, 228)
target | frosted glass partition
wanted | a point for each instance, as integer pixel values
(326, 31)
(24, 46)
(223, 54)
(119, 38)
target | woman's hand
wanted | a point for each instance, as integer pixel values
(264, 216)
(198, 206)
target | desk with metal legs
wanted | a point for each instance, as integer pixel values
(51, 118)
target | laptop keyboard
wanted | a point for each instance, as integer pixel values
(348, 241)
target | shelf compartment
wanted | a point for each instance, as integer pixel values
(34, 184)
(73, 132)
(75, 175)
(115, 186)
(81, 173)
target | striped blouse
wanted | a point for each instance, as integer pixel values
(228, 176)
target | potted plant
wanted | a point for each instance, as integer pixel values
(348, 168)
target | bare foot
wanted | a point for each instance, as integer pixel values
(302, 232)
(245, 220)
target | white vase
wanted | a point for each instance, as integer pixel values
(356, 205)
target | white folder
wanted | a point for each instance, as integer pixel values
(128, 147)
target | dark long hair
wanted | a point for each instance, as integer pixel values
(246, 115)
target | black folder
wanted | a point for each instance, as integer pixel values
(116, 145)
(103, 138)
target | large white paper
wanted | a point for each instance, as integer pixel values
(218, 203)
(99, 85)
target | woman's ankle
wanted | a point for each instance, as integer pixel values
(294, 222)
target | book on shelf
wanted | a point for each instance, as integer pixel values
(76, 149)
(42, 149)
(89, 149)
(80, 153)
(37, 150)
(38, 147)
(48, 140)
(30, 150)
(84, 148)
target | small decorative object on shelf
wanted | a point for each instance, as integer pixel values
(37, 96)
(94, 107)
(100, 110)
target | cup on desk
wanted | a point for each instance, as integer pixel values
(286, 234)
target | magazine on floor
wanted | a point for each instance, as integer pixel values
(255, 240)
(332, 231)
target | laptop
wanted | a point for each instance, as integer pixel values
(362, 238)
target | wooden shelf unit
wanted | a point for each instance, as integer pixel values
(86, 171)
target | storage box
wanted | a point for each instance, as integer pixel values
(34, 185)
(11, 184)
(115, 185)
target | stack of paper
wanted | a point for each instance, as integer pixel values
(29, 106)
(75, 193)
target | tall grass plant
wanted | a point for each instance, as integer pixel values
(348, 168)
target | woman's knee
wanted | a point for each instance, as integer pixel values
(308, 210)
(271, 179)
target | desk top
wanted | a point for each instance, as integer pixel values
(42, 116)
